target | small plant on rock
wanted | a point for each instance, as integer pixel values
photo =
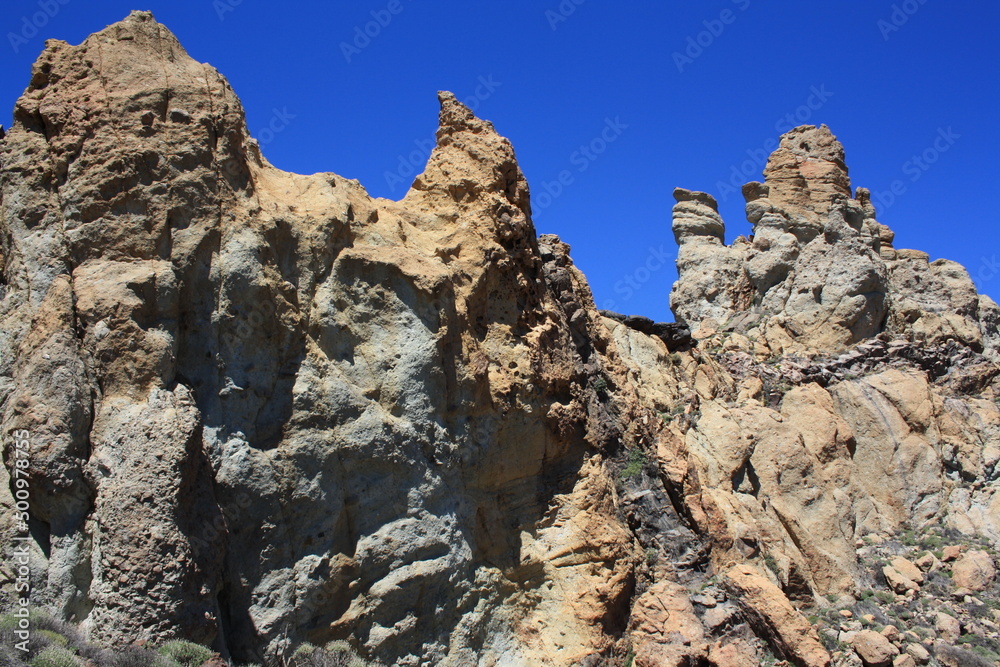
(56, 656)
(636, 462)
(187, 654)
(772, 565)
(134, 656)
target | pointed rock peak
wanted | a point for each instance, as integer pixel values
(138, 17)
(140, 30)
(818, 143)
(472, 164)
(456, 117)
(129, 102)
(806, 175)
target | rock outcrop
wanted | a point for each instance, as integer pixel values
(267, 409)
(818, 271)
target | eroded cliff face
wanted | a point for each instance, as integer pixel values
(267, 408)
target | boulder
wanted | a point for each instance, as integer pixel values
(907, 569)
(974, 570)
(874, 649)
(948, 627)
(897, 582)
(919, 654)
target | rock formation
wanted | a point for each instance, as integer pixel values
(818, 272)
(266, 408)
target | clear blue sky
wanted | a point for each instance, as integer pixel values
(554, 85)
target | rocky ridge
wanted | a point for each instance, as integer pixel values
(267, 409)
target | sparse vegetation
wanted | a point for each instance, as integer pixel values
(185, 653)
(55, 656)
(334, 654)
(772, 565)
(54, 638)
(55, 643)
(636, 462)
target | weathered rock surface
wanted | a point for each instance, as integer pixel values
(267, 404)
(874, 649)
(974, 571)
(818, 271)
(266, 408)
(771, 612)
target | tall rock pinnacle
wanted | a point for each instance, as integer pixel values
(818, 271)
(805, 175)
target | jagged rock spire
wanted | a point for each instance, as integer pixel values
(473, 172)
(807, 171)
(818, 270)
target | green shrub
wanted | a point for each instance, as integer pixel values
(132, 656)
(342, 654)
(931, 543)
(636, 462)
(303, 652)
(54, 638)
(772, 565)
(187, 654)
(55, 656)
(334, 654)
(38, 619)
(986, 653)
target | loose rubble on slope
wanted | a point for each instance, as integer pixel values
(269, 413)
